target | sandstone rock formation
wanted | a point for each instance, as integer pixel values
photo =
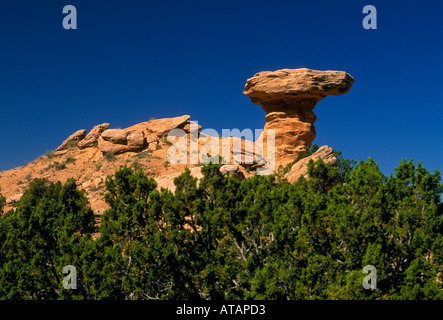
(187, 127)
(140, 136)
(288, 96)
(91, 138)
(118, 141)
(132, 139)
(117, 136)
(232, 170)
(300, 168)
(160, 127)
(76, 136)
(233, 150)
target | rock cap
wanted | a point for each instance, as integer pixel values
(292, 86)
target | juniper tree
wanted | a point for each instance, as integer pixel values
(46, 232)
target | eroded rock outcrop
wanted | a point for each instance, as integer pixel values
(91, 138)
(300, 168)
(76, 136)
(132, 139)
(232, 170)
(122, 140)
(160, 127)
(288, 96)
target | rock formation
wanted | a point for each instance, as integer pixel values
(233, 171)
(118, 141)
(300, 168)
(132, 139)
(159, 127)
(91, 138)
(288, 96)
(76, 136)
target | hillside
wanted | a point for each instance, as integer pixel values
(288, 96)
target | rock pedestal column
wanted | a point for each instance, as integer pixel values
(288, 96)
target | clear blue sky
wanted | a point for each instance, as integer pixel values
(132, 60)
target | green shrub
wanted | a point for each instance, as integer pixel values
(221, 238)
(70, 159)
(51, 225)
(72, 144)
(60, 166)
(50, 154)
(2, 203)
(56, 165)
(300, 155)
(109, 156)
(136, 165)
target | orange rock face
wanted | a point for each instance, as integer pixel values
(300, 168)
(289, 96)
(76, 136)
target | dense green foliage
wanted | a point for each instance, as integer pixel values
(283, 170)
(47, 231)
(221, 238)
(2, 203)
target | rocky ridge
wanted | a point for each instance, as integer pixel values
(288, 96)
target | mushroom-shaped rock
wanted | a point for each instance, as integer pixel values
(288, 96)
(295, 88)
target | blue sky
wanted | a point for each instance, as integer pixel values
(132, 60)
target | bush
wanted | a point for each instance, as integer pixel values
(69, 159)
(50, 154)
(50, 228)
(109, 156)
(308, 240)
(136, 165)
(300, 155)
(2, 203)
(72, 144)
(60, 165)
(221, 238)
